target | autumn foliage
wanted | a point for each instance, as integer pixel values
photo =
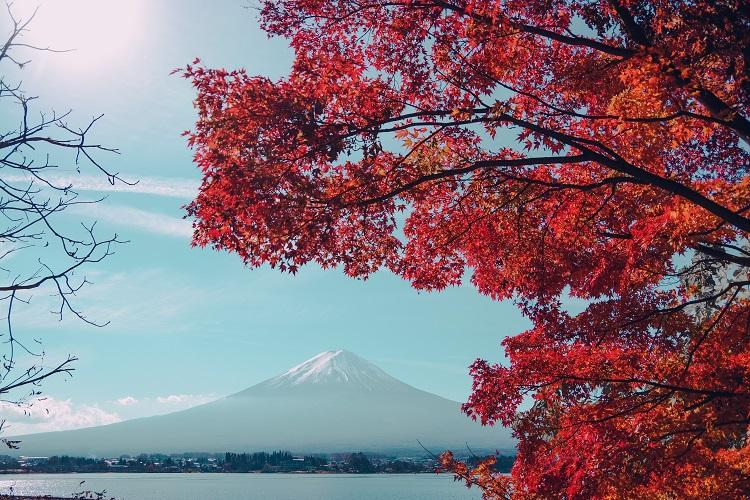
(550, 151)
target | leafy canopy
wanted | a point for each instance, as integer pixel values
(588, 148)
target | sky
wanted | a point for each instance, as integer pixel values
(189, 325)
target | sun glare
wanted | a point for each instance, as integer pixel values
(98, 33)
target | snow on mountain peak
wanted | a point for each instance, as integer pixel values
(338, 368)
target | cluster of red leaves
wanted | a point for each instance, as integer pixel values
(596, 149)
(482, 475)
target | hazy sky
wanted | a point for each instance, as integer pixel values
(189, 325)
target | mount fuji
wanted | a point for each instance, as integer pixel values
(333, 402)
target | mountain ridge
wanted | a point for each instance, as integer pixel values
(335, 401)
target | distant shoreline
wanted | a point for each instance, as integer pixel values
(277, 462)
(291, 473)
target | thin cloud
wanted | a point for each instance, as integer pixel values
(145, 220)
(175, 187)
(50, 414)
(47, 414)
(185, 399)
(127, 401)
(120, 299)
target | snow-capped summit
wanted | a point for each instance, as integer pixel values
(332, 369)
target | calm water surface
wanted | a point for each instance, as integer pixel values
(246, 486)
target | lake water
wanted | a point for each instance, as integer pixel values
(246, 486)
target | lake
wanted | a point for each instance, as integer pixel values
(245, 486)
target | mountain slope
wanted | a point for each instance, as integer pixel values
(335, 401)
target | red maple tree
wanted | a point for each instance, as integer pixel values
(594, 149)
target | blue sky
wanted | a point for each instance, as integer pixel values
(188, 325)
